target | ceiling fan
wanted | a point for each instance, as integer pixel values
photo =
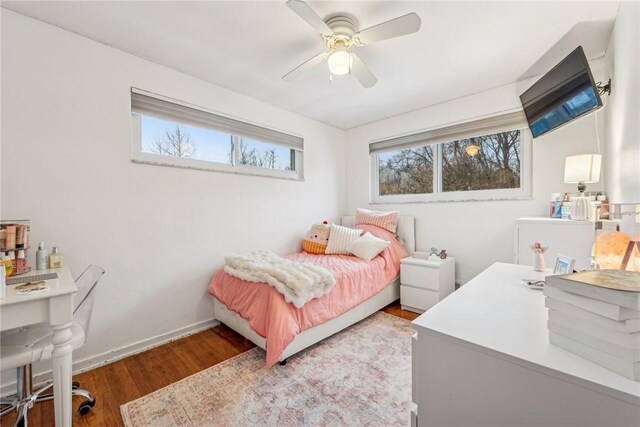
(339, 34)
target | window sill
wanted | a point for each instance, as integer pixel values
(445, 200)
(197, 165)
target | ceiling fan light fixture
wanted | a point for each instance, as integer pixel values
(339, 32)
(339, 61)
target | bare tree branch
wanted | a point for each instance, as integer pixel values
(176, 143)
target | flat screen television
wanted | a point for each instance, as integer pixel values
(562, 95)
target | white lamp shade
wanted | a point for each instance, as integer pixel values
(339, 62)
(584, 168)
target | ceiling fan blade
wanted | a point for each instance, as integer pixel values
(361, 72)
(305, 66)
(305, 12)
(400, 26)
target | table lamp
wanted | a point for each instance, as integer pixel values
(581, 170)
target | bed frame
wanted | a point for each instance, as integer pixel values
(390, 293)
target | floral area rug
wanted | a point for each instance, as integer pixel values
(360, 376)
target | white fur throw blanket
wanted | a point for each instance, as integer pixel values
(299, 282)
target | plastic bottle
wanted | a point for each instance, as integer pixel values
(56, 259)
(41, 257)
(8, 265)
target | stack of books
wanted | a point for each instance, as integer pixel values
(596, 315)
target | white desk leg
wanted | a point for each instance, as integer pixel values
(62, 365)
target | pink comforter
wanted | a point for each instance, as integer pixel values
(279, 322)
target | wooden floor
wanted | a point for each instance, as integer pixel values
(141, 374)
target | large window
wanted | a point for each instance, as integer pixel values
(169, 133)
(481, 160)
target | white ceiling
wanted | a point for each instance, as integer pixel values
(462, 48)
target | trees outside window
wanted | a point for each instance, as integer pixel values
(175, 143)
(497, 164)
(451, 167)
(252, 156)
(407, 171)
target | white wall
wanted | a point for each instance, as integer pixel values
(160, 232)
(622, 128)
(477, 233)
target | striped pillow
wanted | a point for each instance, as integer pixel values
(368, 246)
(385, 220)
(340, 238)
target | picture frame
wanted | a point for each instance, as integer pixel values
(564, 264)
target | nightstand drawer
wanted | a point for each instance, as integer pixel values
(421, 299)
(420, 276)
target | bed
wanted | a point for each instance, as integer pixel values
(290, 330)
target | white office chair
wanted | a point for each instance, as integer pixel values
(21, 347)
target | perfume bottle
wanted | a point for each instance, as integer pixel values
(56, 259)
(8, 265)
(21, 262)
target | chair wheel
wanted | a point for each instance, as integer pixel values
(86, 406)
(75, 385)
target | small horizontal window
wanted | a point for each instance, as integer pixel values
(437, 166)
(172, 134)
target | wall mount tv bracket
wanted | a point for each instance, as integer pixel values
(602, 89)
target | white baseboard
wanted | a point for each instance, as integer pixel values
(111, 356)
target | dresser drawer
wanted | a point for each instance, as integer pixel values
(420, 276)
(421, 299)
(414, 367)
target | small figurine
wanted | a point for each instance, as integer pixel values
(538, 258)
(434, 251)
(443, 254)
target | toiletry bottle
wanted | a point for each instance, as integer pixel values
(56, 259)
(12, 257)
(20, 234)
(3, 281)
(11, 236)
(21, 262)
(6, 260)
(41, 257)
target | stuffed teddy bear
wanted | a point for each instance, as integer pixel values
(315, 240)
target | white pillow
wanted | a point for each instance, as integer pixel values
(368, 247)
(340, 238)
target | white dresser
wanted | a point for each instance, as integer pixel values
(571, 238)
(424, 282)
(482, 357)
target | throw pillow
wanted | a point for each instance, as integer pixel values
(385, 220)
(315, 240)
(368, 247)
(340, 238)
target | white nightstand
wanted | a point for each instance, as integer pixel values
(423, 282)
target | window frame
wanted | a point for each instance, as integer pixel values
(142, 157)
(524, 192)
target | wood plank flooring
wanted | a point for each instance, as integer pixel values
(141, 374)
